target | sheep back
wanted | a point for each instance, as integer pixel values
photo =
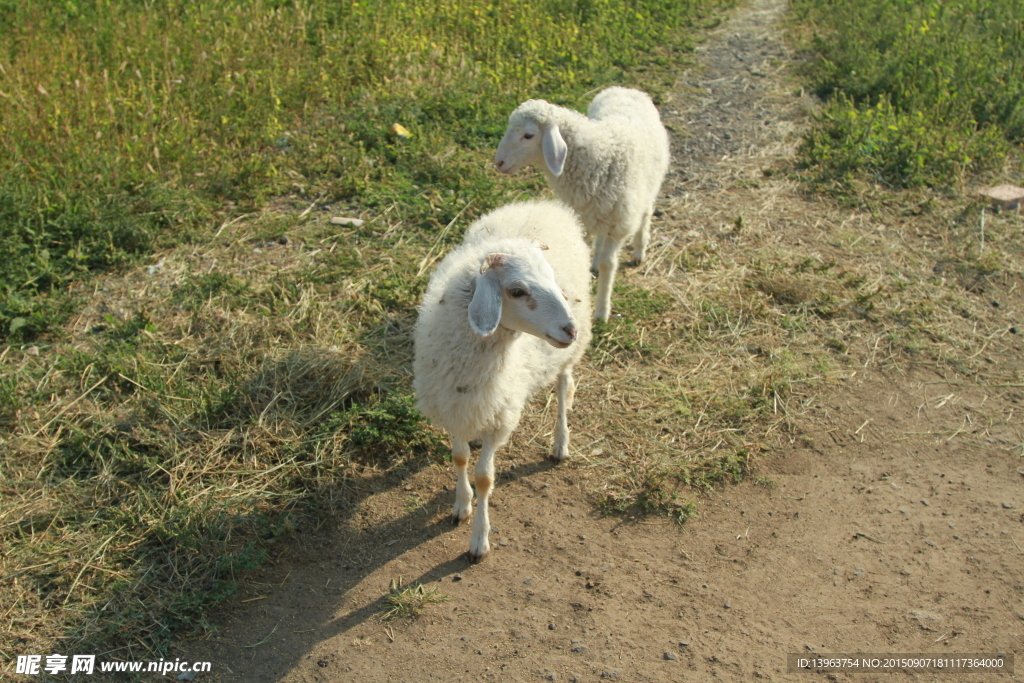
(617, 161)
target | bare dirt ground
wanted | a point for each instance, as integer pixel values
(889, 519)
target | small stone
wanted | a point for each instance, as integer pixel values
(929, 543)
(32, 351)
(859, 572)
(551, 627)
(1007, 506)
(1013, 330)
(503, 542)
(671, 656)
(187, 676)
(613, 674)
(464, 638)
(528, 582)
(728, 604)
(283, 239)
(683, 643)
(577, 648)
(658, 213)
(727, 136)
(924, 502)
(809, 648)
(322, 663)
(457, 577)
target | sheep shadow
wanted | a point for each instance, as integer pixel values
(317, 575)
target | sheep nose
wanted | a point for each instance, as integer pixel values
(498, 163)
(570, 330)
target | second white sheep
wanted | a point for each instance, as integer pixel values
(608, 165)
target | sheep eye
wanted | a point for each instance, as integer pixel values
(527, 136)
(517, 293)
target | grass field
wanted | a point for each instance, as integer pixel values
(167, 421)
(128, 127)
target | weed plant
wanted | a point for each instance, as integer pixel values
(917, 93)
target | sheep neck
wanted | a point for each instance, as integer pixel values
(584, 169)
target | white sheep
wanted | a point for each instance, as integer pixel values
(523, 268)
(607, 165)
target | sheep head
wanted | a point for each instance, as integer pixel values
(532, 138)
(518, 291)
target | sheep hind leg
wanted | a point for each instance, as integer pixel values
(463, 493)
(594, 261)
(566, 390)
(607, 267)
(479, 545)
(642, 238)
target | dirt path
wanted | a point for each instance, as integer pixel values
(893, 523)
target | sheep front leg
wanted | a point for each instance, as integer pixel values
(479, 545)
(607, 266)
(463, 493)
(566, 390)
(642, 238)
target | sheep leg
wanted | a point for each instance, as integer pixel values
(566, 390)
(642, 238)
(598, 242)
(463, 493)
(606, 269)
(479, 545)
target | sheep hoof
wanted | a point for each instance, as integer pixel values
(560, 453)
(460, 516)
(477, 552)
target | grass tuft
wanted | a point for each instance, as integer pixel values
(409, 601)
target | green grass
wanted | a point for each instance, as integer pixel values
(128, 127)
(917, 93)
(164, 429)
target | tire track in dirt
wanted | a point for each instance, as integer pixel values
(889, 527)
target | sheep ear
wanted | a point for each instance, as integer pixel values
(554, 150)
(540, 245)
(485, 308)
